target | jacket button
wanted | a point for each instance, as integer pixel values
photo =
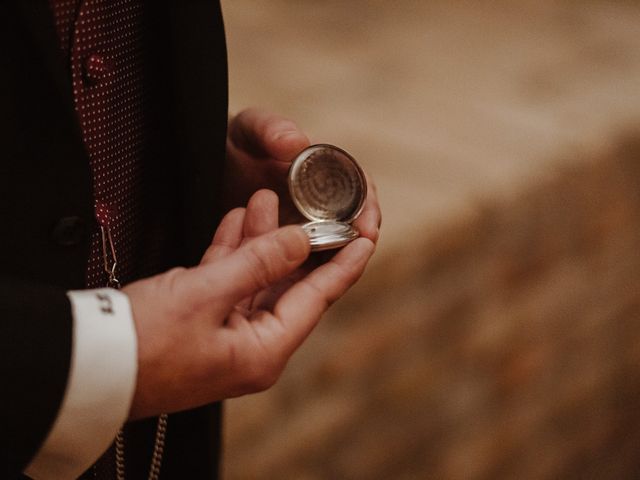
(69, 231)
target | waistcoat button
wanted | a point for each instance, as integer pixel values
(95, 68)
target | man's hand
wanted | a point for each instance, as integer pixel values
(228, 326)
(260, 148)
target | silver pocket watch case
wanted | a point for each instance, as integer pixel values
(329, 188)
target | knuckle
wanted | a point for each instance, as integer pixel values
(176, 271)
(172, 278)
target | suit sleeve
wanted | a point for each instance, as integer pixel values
(68, 391)
(34, 364)
(101, 383)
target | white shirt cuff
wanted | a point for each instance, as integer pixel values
(100, 387)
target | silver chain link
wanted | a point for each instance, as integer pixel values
(110, 264)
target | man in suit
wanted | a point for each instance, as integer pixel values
(210, 308)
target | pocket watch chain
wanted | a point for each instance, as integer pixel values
(110, 265)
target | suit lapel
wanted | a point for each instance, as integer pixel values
(196, 71)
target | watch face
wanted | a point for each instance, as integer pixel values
(326, 184)
(329, 188)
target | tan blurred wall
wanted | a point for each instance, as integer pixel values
(496, 334)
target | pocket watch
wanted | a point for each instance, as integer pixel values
(329, 188)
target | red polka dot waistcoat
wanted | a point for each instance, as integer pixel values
(103, 42)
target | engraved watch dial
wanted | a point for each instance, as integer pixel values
(327, 184)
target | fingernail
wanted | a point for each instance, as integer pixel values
(284, 133)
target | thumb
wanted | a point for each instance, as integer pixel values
(259, 263)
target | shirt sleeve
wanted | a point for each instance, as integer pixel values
(101, 384)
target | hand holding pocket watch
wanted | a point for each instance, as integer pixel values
(261, 147)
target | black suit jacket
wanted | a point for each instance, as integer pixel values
(46, 208)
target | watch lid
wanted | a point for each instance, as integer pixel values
(328, 235)
(326, 184)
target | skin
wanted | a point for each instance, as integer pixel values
(228, 326)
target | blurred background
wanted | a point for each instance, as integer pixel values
(497, 333)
